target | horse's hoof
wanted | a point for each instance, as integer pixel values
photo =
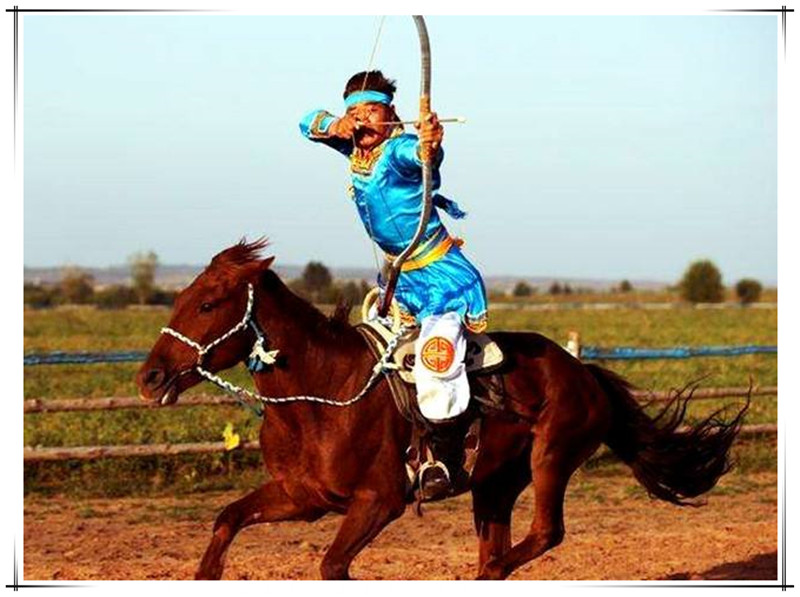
(334, 571)
(204, 574)
(491, 571)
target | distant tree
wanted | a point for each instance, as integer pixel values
(555, 288)
(143, 274)
(748, 290)
(702, 283)
(625, 286)
(522, 289)
(567, 289)
(76, 286)
(162, 297)
(117, 296)
(38, 296)
(316, 277)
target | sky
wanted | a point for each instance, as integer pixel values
(595, 147)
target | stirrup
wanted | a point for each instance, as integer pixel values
(439, 487)
(434, 464)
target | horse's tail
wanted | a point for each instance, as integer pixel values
(671, 463)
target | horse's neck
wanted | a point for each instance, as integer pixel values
(315, 354)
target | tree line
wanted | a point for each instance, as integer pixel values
(76, 286)
(701, 283)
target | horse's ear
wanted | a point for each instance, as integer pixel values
(253, 270)
(265, 263)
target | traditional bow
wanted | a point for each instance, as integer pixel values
(427, 175)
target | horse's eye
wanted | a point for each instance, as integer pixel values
(206, 307)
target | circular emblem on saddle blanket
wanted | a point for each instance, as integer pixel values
(437, 354)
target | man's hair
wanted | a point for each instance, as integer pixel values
(375, 81)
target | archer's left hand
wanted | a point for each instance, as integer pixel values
(431, 133)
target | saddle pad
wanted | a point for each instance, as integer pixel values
(403, 395)
(482, 352)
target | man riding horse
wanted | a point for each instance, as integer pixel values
(333, 442)
(438, 288)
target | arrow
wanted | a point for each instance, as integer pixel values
(455, 120)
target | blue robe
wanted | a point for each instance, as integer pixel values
(387, 191)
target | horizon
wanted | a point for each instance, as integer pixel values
(542, 278)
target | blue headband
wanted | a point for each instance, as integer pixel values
(369, 96)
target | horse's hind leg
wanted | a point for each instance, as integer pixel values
(552, 467)
(268, 503)
(492, 503)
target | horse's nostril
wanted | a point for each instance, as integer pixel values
(154, 378)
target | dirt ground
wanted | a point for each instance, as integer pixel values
(614, 532)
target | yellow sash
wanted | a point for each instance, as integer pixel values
(431, 250)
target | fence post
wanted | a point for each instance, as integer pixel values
(574, 344)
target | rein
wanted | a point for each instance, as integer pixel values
(268, 358)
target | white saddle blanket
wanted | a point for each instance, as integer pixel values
(482, 352)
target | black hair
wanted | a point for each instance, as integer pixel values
(372, 80)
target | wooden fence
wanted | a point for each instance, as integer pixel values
(35, 405)
(40, 454)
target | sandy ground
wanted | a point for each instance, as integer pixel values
(614, 531)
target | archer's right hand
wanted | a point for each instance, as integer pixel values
(344, 127)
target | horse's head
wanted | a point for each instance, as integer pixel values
(209, 325)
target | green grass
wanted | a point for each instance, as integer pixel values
(87, 328)
(84, 329)
(641, 327)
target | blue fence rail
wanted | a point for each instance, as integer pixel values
(83, 358)
(678, 352)
(586, 352)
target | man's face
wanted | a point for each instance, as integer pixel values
(369, 134)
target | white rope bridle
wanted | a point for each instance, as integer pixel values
(202, 350)
(269, 358)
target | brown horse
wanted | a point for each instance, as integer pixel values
(351, 460)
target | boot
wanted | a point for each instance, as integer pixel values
(445, 446)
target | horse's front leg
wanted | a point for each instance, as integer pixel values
(268, 503)
(368, 514)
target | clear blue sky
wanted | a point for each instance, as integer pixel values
(603, 147)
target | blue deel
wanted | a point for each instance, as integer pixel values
(386, 187)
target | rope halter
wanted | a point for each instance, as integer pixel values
(259, 358)
(258, 354)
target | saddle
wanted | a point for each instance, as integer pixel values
(483, 358)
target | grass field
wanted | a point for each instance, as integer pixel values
(77, 329)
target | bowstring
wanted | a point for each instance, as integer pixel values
(372, 242)
(370, 63)
(374, 52)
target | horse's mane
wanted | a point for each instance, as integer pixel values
(336, 328)
(234, 259)
(239, 255)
